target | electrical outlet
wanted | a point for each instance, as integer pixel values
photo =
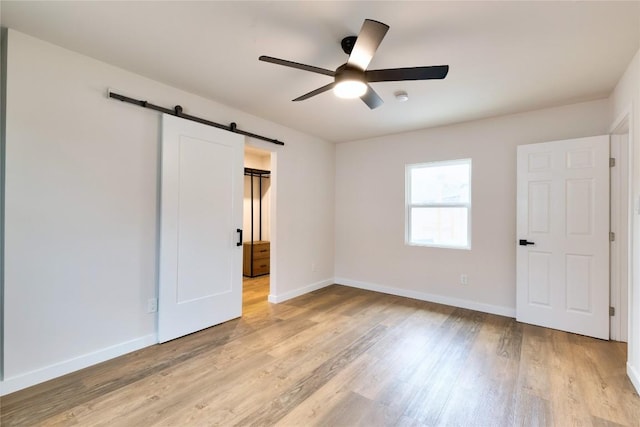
(464, 279)
(314, 268)
(152, 305)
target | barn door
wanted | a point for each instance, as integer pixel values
(200, 219)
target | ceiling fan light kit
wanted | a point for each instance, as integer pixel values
(349, 83)
(351, 80)
(349, 89)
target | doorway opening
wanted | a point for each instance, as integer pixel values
(257, 236)
(620, 216)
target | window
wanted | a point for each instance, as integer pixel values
(438, 204)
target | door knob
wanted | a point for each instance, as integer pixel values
(524, 242)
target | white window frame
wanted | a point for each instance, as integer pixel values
(409, 205)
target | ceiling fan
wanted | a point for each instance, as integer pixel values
(351, 80)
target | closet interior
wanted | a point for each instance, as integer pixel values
(256, 245)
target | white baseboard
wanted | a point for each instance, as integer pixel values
(22, 381)
(455, 302)
(300, 291)
(634, 376)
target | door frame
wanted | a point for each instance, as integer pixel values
(621, 218)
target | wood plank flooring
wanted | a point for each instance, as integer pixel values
(347, 357)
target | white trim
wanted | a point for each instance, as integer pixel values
(621, 214)
(627, 114)
(634, 376)
(624, 115)
(275, 299)
(439, 299)
(10, 385)
(621, 328)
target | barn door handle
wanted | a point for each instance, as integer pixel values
(239, 231)
(526, 242)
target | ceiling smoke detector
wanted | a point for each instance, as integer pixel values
(401, 96)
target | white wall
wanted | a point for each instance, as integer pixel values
(625, 102)
(303, 229)
(370, 249)
(82, 206)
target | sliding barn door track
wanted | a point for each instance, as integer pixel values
(177, 111)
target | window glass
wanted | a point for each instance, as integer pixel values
(439, 226)
(439, 204)
(440, 184)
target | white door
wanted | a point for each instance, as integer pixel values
(563, 235)
(200, 215)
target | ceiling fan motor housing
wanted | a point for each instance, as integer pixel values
(346, 72)
(348, 43)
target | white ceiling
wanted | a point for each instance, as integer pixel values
(504, 57)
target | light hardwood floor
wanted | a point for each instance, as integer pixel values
(346, 357)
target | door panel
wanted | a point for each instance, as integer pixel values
(539, 278)
(579, 282)
(580, 206)
(201, 221)
(563, 207)
(201, 209)
(539, 197)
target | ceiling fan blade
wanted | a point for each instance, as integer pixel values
(297, 65)
(411, 73)
(370, 37)
(371, 98)
(316, 92)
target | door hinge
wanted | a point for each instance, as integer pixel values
(612, 162)
(612, 311)
(612, 236)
